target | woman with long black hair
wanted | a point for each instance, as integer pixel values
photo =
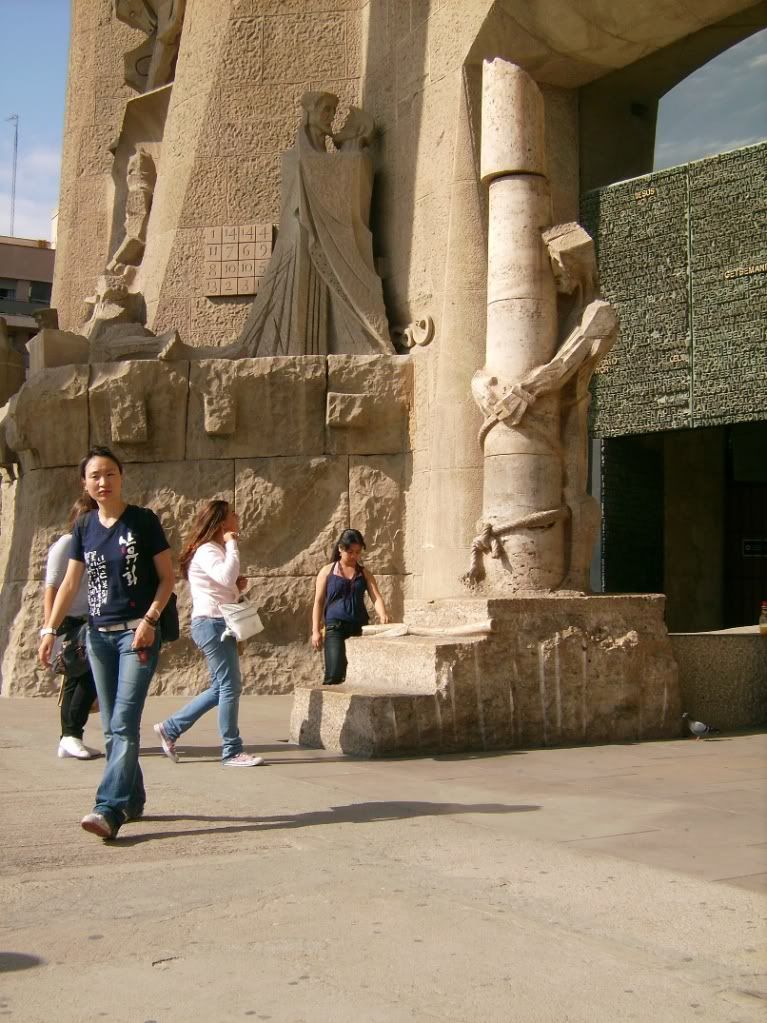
(339, 602)
(123, 549)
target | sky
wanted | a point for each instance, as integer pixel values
(722, 106)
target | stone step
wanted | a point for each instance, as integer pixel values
(556, 670)
(405, 664)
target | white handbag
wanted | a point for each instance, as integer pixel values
(242, 620)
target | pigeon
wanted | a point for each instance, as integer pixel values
(698, 729)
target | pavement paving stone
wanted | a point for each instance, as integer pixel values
(598, 884)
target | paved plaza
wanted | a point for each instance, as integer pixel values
(595, 884)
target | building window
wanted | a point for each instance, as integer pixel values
(40, 291)
(7, 289)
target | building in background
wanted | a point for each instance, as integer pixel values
(680, 403)
(26, 277)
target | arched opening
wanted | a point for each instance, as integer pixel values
(720, 107)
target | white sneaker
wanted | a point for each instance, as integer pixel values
(243, 760)
(69, 746)
(168, 744)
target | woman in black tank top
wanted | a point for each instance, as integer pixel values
(339, 602)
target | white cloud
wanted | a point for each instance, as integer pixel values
(42, 161)
(37, 188)
(33, 216)
(758, 61)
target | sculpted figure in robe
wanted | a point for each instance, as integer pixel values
(321, 293)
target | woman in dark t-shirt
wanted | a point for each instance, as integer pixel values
(123, 549)
(339, 601)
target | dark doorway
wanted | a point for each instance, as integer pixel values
(745, 531)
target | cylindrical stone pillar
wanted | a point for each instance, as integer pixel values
(523, 463)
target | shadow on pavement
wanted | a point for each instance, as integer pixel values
(351, 813)
(10, 961)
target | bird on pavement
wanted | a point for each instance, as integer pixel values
(699, 729)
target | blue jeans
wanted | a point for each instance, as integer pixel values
(122, 678)
(225, 687)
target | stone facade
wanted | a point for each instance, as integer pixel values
(308, 444)
(296, 492)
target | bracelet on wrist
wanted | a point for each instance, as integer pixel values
(151, 621)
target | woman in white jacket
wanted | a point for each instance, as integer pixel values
(210, 561)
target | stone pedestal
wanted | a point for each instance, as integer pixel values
(557, 670)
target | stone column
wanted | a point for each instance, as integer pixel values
(522, 463)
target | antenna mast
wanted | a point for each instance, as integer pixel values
(15, 119)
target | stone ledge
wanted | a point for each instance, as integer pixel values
(722, 676)
(557, 671)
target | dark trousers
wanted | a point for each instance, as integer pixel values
(336, 634)
(77, 696)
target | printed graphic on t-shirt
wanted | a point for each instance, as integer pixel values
(130, 554)
(98, 582)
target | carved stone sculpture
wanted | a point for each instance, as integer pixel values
(113, 304)
(539, 522)
(321, 292)
(152, 64)
(141, 178)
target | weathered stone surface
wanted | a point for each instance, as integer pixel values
(247, 407)
(53, 396)
(272, 662)
(11, 366)
(300, 47)
(292, 510)
(38, 511)
(176, 491)
(377, 507)
(50, 348)
(139, 409)
(22, 611)
(556, 670)
(378, 396)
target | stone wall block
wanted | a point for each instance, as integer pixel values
(377, 508)
(374, 417)
(176, 491)
(22, 673)
(291, 510)
(253, 190)
(47, 422)
(256, 407)
(37, 516)
(50, 348)
(304, 47)
(281, 656)
(394, 590)
(139, 409)
(242, 56)
(182, 670)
